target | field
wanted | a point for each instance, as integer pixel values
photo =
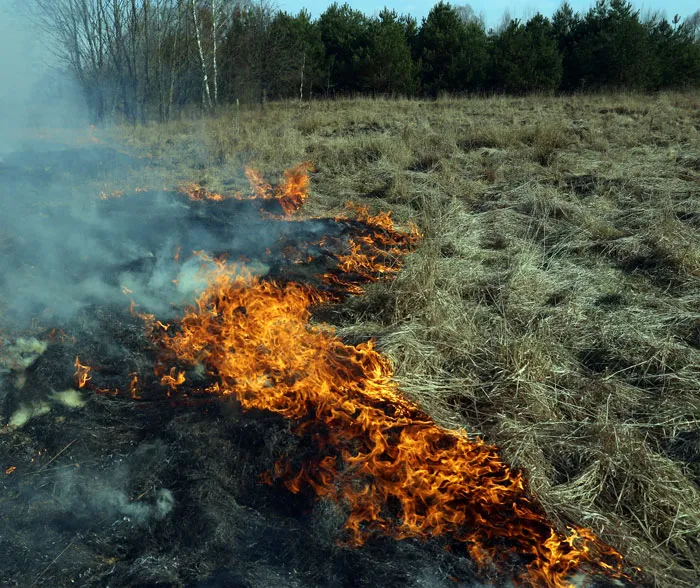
(552, 306)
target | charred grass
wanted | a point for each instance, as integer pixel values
(553, 304)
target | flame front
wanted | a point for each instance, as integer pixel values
(395, 469)
(198, 193)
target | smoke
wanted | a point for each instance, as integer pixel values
(82, 497)
(41, 114)
(62, 249)
(37, 93)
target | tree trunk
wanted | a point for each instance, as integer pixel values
(147, 90)
(301, 85)
(215, 35)
(206, 94)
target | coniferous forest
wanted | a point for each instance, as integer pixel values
(140, 61)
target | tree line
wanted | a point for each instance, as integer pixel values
(146, 59)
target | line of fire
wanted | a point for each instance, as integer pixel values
(253, 338)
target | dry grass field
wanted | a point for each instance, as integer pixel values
(553, 305)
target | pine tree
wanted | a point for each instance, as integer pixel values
(345, 35)
(526, 57)
(565, 27)
(453, 54)
(301, 71)
(612, 48)
(389, 67)
(677, 54)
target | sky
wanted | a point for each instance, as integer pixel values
(492, 9)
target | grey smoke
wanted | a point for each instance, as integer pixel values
(61, 247)
(80, 496)
(113, 503)
(58, 256)
(36, 91)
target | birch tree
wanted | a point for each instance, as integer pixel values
(221, 11)
(206, 93)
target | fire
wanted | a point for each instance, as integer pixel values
(82, 373)
(259, 187)
(119, 193)
(198, 193)
(84, 379)
(134, 386)
(294, 189)
(376, 254)
(396, 471)
(291, 193)
(149, 319)
(173, 379)
(362, 264)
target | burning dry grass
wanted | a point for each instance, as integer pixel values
(553, 304)
(256, 338)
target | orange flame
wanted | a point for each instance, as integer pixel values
(55, 335)
(294, 189)
(387, 461)
(259, 187)
(395, 470)
(197, 193)
(376, 254)
(82, 373)
(291, 193)
(173, 379)
(134, 385)
(148, 318)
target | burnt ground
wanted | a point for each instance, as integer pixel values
(159, 491)
(162, 491)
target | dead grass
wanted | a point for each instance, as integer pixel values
(553, 306)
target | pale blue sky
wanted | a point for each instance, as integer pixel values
(492, 10)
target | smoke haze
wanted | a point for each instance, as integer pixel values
(36, 93)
